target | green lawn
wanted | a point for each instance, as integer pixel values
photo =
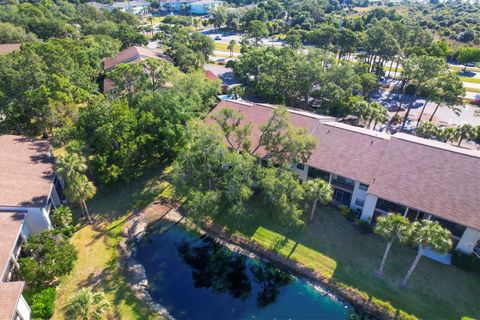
(468, 79)
(97, 265)
(335, 247)
(222, 46)
(476, 90)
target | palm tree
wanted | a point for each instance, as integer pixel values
(450, 92)
(80, 189)
(428, 130)
(419, 70)
(465, 131)
(86, 305)
(427, 234)
(447, 134)
(71, 165)
(318, 190)
(231, 46)
(391, 227)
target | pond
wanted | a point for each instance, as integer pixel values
(196, 278)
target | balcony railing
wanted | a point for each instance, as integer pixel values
(342, 184)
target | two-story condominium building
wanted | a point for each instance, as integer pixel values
(375, 173)
(29, 190)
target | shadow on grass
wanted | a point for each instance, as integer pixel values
(433, 289)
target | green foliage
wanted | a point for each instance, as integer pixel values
(364, 226)
(428, 130)
(87, 305)
(45, 257)
(10, 33)
(347, 213)
(427, 233)
(392, 226)
(189, 50)
(41, 302)
(469, 262)
(62, 217)
(287, 76)
(282, 193)
(43, 84)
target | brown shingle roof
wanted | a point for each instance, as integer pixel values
(133, 54)
(423, 174)
(26, 171)
(210, 75)
(10, 227)
(348, 151)
(431, 176)
(258, 114)
(9, 47)
(9, 295)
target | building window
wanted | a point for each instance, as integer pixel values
(317, 173)
(359, 202)
(363, 187)
(300, 166)
(388, 206)
(342, 197)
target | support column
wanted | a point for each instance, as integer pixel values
(354, 194)
(369, 208)
(468, 240)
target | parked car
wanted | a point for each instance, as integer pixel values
(218, 38)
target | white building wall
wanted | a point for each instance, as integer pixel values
(23, 310)
(369, 207)
(468, 240)
(37, 220)
(357, 194)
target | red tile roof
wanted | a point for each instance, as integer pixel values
(423, 174)
(26, 171)
(431, 176)
(9, 47)
(211, 76)
(9, 295)
(133, 54)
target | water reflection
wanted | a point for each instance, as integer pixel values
(222, 270)
(196, 278)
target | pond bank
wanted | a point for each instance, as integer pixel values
(136, 227)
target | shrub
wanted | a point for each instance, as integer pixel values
(347, 212)
(467, 262)
(42, 302)
(62, 217)
(364, 226)
(46, 256)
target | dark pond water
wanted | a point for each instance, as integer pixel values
(195, 278)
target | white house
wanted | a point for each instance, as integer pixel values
(375, 173)
(29, 190)
(203, 7)
(135, 7)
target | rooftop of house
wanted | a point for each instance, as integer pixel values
(133, 54)
(10, 226)
(9, 295)
(9, 47)
(210, 75)
(432, 177)
(426, 175)
(129, 4)
(26, 171)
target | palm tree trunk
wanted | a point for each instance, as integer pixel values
(390, 69)
(434, 111)
(409, 108)
(421, 113)
(87, 214)
(385, 255)
(410, 271)
(460, 141)
(314, 206)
